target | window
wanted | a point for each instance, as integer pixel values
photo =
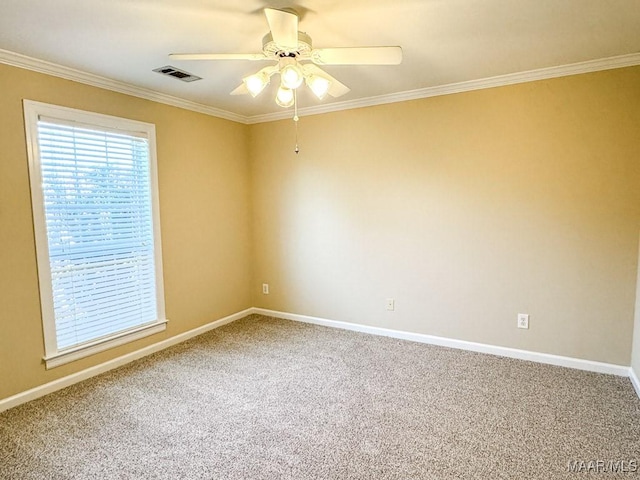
(95, 208)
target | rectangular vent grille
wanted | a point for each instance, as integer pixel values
(177, 73)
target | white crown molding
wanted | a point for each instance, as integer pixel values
(546, 358)
(29, 63)
(41, 66)
(609, 63)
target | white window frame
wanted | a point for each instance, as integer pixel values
(32, 112)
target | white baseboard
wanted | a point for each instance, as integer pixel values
(569, 362)
(63, 382)
(634, 380)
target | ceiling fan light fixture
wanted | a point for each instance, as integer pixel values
(318, 85)
(256, 83)
(285, 97)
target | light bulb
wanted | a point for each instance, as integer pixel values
(255, 83)
(291, 76)
(318, 85)
(284, 97)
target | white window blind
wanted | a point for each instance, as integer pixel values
(97, 197)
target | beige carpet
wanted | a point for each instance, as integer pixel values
(266, 399)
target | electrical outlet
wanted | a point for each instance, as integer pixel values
(523, 320)
(391, 304)
(265, 288)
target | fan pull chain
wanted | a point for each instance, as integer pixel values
(296, 118)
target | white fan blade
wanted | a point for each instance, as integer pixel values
(241, 90)
(357, 56)
(217, 56)
(336, 89)
(284, 28)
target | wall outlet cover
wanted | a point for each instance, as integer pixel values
(391, 304)
(523, 320)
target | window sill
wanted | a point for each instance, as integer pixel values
(92, 348)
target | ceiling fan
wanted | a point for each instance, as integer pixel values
(296, 60)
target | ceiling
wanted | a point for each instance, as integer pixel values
(444, 41)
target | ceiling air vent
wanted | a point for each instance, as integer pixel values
(176, 73)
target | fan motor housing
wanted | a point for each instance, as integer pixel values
(272, 50)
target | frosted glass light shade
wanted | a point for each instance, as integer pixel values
(256, 83)
(318, 85)
(284, 97)
(291, 76)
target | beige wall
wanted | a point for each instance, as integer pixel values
(466, 209)
(204, 209)
(635, 360)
